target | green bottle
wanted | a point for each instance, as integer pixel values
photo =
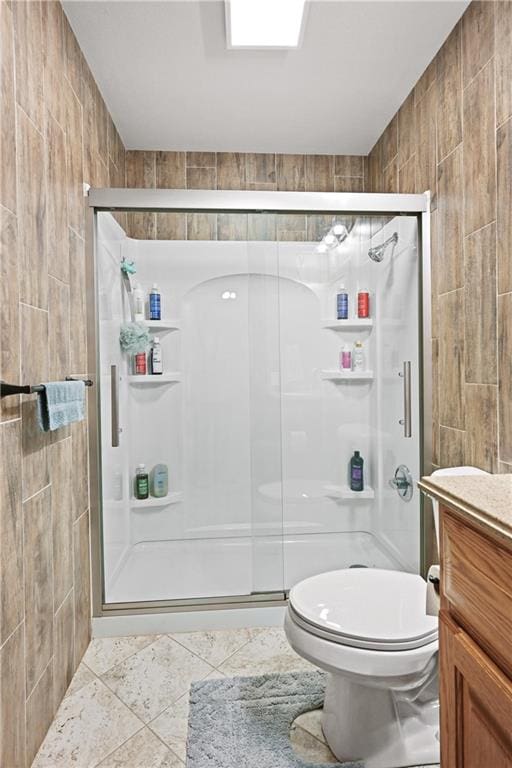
(356, 472)
(141, 488)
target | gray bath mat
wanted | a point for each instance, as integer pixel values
(244, 722)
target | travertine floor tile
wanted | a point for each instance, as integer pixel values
(82, 676)
(150, 680)
(309, 748)
(269, 651)
(215, 647)
(143, 750)
(89, 725)
(105, 652)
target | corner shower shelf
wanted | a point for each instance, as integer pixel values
(162, 325)
(344, 492)
(148, 379)
(171, 498)
(353, 324)
(338, 376)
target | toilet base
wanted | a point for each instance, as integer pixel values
(378, 727)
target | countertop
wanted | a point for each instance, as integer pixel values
(486, 498)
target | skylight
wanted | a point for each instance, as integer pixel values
(264, 23)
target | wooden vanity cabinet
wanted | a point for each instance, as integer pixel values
(475, 636)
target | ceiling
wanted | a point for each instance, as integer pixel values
(171, 84)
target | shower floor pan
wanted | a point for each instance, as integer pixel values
(226, 567)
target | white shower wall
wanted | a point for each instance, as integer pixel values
(256, 441)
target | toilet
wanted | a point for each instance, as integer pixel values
(368, 629)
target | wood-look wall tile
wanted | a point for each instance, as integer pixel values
(8, 111)
(11, 532)
(349, 165)
(477, 38)
(9, 311)
(435, 402)
(479, 151)
(31, 212)
(53, 59)
(390, 142)
(319, 173)
(171, 226)
(201, 226)
(504, 469)
(141, 173)
(232, 226)
(95, 127)
(505, 375)
(74, 162)
(291, 227)
(29, 59)
(35, 474)
(201, 178)
(426, 144)
(115, 145)
(34, 344)
(390, 177)
(504, 206)
(141, 226)
(230, 170)
(407, 137)
(481, 446)
(449, 89)
(61, 477)
(170, 170)
(201, 160)
(451, 359)
(290, 173)
(12, 701)
(80, 468)
(407, 176)
(37, 532)
(503, 58)
(375, 168)
(260, 168)
(451, 447)
(426, 81)
(73, 58)
(317, 226)
(435, 273)
(82, 592)
(77, 306)
(450, 187)
(348, 184)
(40, 712)
(480, 303)
(58, 329)
(261, 226)
(64, 651)
(57, 199)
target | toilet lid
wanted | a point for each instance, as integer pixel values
(366, 607)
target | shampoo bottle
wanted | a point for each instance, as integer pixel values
(155, 308)
(159, 481)
(156, 357)
(138, 303)
(342, 304)
(141, 489)
(358, 361)
(356, 472)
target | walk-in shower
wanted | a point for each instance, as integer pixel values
(253, 415)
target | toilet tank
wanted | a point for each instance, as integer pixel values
(451, 471)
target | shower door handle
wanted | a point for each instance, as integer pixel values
(406, 421)
(114, 405)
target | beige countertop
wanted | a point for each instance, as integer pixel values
(487, 498)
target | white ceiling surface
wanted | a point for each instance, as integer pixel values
(170, 83)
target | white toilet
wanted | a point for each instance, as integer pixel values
(368, 629)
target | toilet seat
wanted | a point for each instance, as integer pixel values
(371, 609)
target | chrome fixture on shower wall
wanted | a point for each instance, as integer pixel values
(377, 252)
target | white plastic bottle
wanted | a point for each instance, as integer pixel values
(138, 303)
(156, 357)
(358, 357)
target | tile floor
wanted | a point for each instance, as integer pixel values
(127, 705)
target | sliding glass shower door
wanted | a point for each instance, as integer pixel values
(257, 413)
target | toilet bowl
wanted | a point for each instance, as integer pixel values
(369, 630)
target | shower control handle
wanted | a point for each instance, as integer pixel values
(114, 405)
(406, 421)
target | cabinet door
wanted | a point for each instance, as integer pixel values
(476, 704)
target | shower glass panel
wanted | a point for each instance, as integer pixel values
(253, 416)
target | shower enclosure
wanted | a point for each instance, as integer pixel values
(253, 415)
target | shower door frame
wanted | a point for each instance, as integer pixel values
(220, 201)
